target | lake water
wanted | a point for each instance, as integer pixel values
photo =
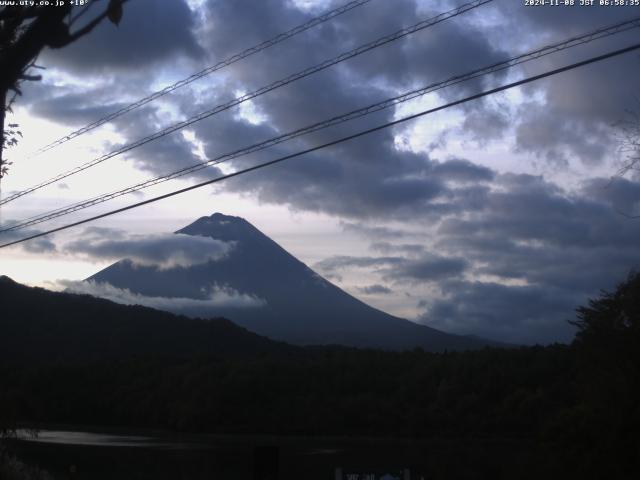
(72, 454)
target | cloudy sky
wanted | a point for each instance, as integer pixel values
(496, 218)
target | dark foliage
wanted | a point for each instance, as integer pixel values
(600, 434)
(332, 391)
(40, 325)
(26, 28)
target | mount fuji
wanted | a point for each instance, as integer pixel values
(287, 300)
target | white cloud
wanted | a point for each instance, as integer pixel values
(219, 297)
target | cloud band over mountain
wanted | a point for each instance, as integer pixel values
(161, 250)
(217, 297)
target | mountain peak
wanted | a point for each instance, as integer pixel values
(221, 220)
(221, 217)
(218, 218)
(223, 227)
(6, 280)
(297, 305)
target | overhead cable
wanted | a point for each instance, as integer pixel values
(261, 91)
(354, 114)
(334, 142)
(207, 71)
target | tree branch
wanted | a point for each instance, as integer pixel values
(31, 78)
(95, 22)
(75, 18)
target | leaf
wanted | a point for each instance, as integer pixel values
(114, 12)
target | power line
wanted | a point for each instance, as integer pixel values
(207, 71)
(335, 142)
(354, 114)
(261, 91)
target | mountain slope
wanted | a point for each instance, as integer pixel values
(38, 324)
(301, 307)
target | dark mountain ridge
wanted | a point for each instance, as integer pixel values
(38, 324)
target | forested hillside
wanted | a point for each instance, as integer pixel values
(577, 404)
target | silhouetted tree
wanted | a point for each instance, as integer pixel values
(602, 430)
(611, 324)
(24, 32)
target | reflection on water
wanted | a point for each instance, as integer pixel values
(81, 455)
(63, 437)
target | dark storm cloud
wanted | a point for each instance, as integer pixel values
(561, 248)
(363, 178)
(577, 118)
(513, 264)
(533, 210)
(621, 193)
(540, 132)
(566, 126)
(150, 32)
(344, 187)
(573, 118)
(484, 125)
(517, 314)
(72, 108)
(367, 178)
(462, 170)
(262, 20)
(423, 60)
(426, 268)
(162, 156)
(429, 268)
(37, 245)
(413, 60)
(74, 105)
(341, 262)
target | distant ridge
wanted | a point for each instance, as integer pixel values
(301, 307)
(38, 324)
